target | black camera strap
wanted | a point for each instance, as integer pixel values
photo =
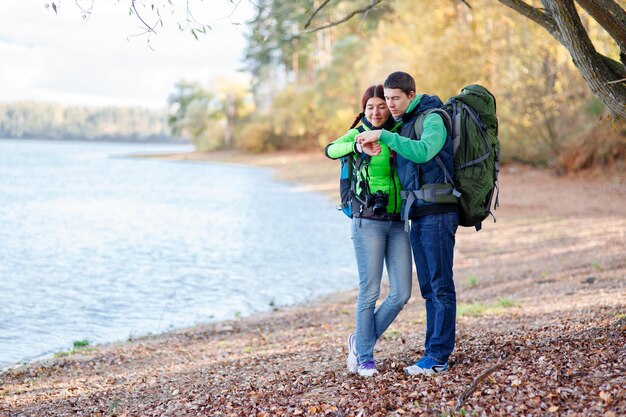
(366, 169)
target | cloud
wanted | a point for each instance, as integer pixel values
(64, 58)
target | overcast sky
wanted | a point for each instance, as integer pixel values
(63, 58)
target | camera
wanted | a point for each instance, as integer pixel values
(377, 202)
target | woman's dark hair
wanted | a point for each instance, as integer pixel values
(372, 91)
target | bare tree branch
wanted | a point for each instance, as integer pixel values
(364, 17)
(345, 18)
(149, 29)
(85, 11)
(315, 12)
(534, 14)
(480, 378)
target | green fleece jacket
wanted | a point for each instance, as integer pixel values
(381, 175)
(423, 150)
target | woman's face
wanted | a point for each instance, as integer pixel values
(376, 111)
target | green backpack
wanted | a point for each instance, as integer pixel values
(470, 118)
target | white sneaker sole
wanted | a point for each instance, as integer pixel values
(367, 373)
(416, 370)
(351, 360)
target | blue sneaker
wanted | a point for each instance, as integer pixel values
(351, 362)
(367, 368)
(426, 366)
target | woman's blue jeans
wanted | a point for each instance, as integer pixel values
(376, 242)
(432, 240)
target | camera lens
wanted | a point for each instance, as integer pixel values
(380, 203)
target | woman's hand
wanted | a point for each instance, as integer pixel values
(369, 142)
(371, 148)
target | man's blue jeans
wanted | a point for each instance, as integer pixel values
(374, 242)
(432, 240)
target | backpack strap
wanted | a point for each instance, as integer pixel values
(419, 122)
(351, 161)
(362, 161)
(447, 122)
(432, 193)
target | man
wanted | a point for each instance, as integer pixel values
(429, 204)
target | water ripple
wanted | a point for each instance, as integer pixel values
(101, 248)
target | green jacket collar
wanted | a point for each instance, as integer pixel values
(412, 109)
(414, 103)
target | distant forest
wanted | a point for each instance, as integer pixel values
(36, 120)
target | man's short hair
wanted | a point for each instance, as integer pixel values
(400, 80)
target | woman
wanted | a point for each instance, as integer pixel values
(377, 232)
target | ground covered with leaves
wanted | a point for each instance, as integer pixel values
(541, 331)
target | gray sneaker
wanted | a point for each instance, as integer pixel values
(351, 361)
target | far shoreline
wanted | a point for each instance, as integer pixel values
(308, 170)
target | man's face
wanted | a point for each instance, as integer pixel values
(397, 101)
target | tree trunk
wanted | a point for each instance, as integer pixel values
(598, 75)
(610, 16)
(230, 113)
(562, 21)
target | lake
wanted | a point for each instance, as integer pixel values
(98, 246)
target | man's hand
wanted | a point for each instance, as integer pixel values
(369, 142)
(368, 137)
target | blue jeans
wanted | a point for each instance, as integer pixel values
(374, 242)
(432, 240)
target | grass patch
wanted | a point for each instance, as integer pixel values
(472, 281)
(79, 346)
(506, 303)
(480, 309)
(81, 343)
